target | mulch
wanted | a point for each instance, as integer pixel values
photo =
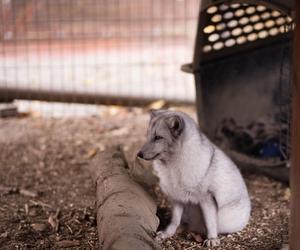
(47, 196)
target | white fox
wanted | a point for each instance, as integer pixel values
(205, 187)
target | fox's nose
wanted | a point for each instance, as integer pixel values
(140, 155)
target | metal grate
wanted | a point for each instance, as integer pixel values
(236, 24)
(242, 66)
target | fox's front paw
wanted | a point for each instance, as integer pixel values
(212, 242)
(162, 235)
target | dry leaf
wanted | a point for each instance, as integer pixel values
(54, 222)
(91, 153)
(157, 104)
(197, 237)
(68, 243)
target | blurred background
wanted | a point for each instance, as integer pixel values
(95, 51)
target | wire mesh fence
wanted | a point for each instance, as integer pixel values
(96, 51)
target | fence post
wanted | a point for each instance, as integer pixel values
(295, 171)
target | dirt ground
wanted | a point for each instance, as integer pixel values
(47, 195)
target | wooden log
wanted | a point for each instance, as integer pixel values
(126, 214)
(278, 172)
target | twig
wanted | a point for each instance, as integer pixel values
(191, 247)
(40, 203)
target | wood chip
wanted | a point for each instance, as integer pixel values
(4, 235)
(40, 227)
(91, 153)
(101, 147)
(14, 190)
(118, 132)
(26, 207)
(70, 229)
(7, 190)
(54, 222)
(287, 194)
(68, 243)
(40, 203)
(25, 192)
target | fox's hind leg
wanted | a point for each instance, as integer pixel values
(234, 217)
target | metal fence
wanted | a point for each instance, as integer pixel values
(96, 51)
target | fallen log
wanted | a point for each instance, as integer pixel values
(126, 214)
(278, 172)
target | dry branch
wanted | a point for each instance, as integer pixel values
(125, 212)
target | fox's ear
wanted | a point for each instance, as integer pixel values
(155, 112)
(152, 113)
(176, 125)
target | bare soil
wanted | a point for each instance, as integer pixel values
(47, 195)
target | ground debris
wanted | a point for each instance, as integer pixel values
(39, 227)
(29, 193)
(197, 237)
(91, 153)
(65, 184)
(15, 190)
(67, 243)
(8, 190)
(4, 235)
(40, 203)
(54, 221)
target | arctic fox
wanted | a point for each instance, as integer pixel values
(205, 187)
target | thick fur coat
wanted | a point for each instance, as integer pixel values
(206, 188)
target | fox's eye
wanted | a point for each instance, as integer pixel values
(157, 137)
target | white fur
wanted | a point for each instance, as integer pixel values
(213, 184)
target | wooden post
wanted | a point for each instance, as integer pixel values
(295, 171)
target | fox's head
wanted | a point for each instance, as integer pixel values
(164, 135)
